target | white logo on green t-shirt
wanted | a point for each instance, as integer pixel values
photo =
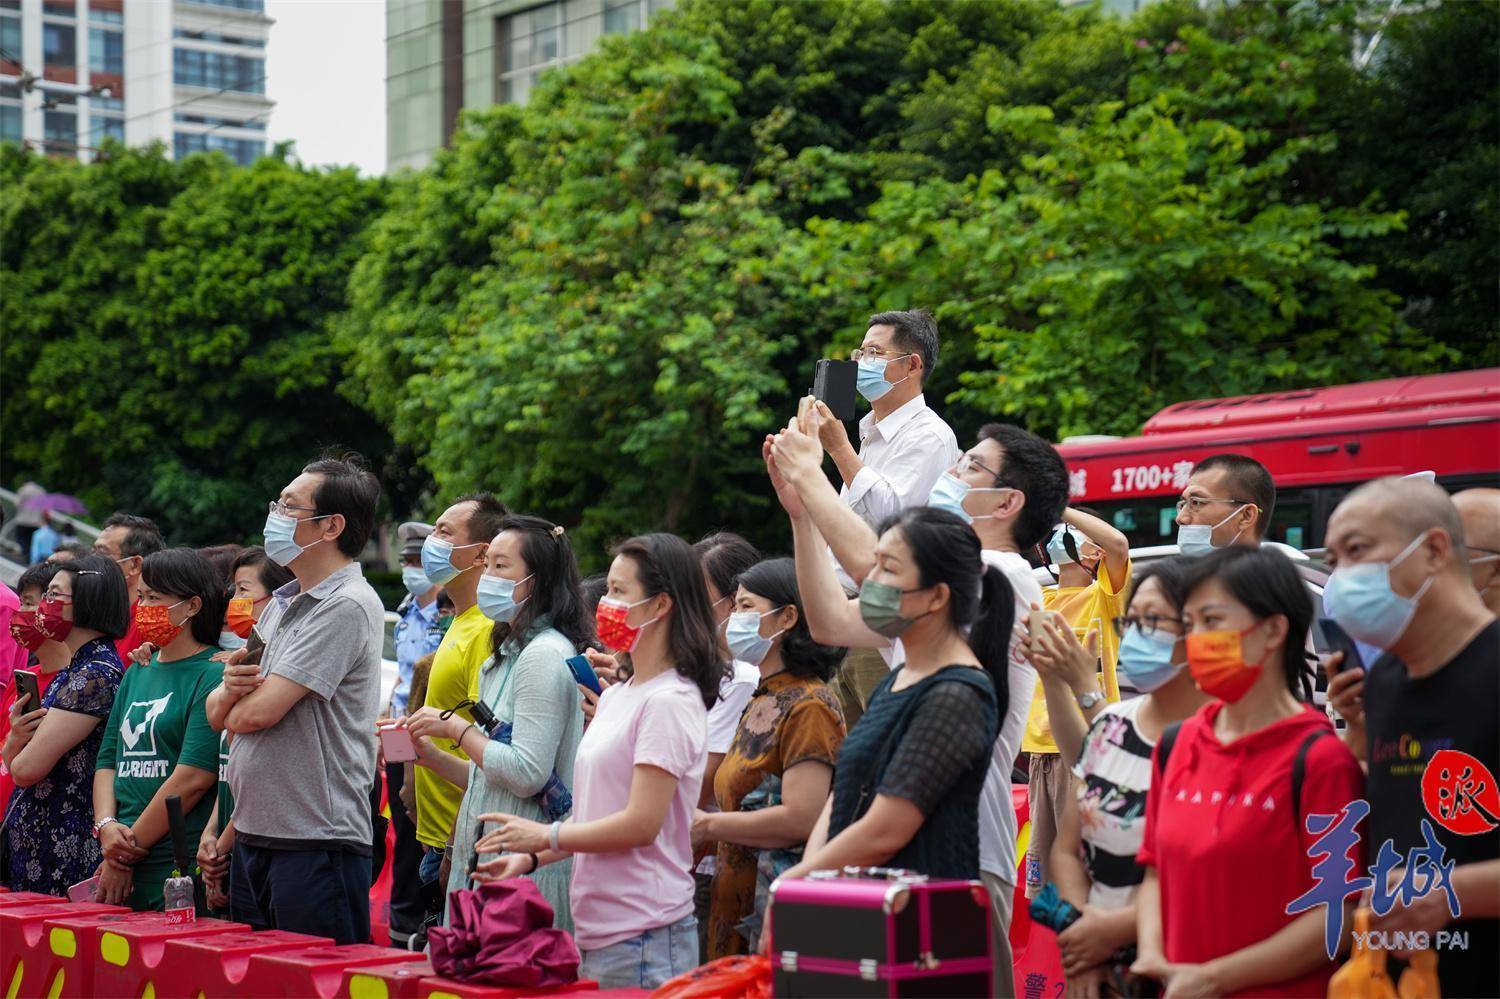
(149, 712)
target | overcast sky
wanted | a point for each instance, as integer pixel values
(326, 73)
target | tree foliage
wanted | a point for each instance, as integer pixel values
(599, 303)
(166, 330)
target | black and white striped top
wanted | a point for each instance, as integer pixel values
(1114, 774)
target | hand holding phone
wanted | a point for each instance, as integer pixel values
(834, 386)
(396, 743)
(29, 690)
(1329, 638)
(84, 891)
(583, 673)
(1037, 622)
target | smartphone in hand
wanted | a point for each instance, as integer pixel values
(84, 891)
(1328, 638)
(834, 384)
(1037, 623)
(584, 673)
(397, 744)
(30, 688)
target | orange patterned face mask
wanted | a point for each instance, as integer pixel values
(1217, 661)
(240, 617)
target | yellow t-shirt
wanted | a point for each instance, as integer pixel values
(1091, 607)
(454, 679)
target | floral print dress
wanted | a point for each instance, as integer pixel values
(50, 825)
(789, 720)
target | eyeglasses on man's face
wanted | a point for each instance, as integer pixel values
(1199, 503)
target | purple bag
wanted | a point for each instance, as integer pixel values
(501, 933)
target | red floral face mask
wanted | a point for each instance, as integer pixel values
(154, 622)
(609, 619)
(50, 621)
(26, 629)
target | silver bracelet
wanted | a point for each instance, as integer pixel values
(552, 836)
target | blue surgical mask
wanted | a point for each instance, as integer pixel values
(1057, 549)
(1359, 597)
(229, 641)
(949, 493)
(415, 581)
(280, 547)
(1198, 539)
(496, 597)
(437, 560)
(1146, 659)
(742, 635)
(870, 379)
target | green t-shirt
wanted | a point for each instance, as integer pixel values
(158, 723)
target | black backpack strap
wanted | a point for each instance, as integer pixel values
(1164, 746)
(1299, 771)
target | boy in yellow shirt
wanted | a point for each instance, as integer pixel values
(1093, 577)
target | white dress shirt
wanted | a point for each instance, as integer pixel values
(903, 456)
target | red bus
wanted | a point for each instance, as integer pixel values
(1319, 443)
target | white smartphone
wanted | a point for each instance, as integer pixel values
(396, 742)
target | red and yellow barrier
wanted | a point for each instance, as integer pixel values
(208, 967)
(314, 972)
(25, 952)
(402, 980)
(130, 954)
(51, 948)
(447, 988)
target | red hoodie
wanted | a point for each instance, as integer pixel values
(1228, 843)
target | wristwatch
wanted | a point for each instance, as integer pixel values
(99, 826)
(1088, 700)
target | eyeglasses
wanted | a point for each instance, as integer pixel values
(967, 463)
(875, 354)
(1199, 502)
(57, 597)
(1150, 624)
(280, 508)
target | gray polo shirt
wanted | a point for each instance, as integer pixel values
(304, 783)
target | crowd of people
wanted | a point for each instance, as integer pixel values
(656, 746)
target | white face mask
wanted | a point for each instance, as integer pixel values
(1198, 539)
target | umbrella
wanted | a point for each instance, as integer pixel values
(55, 503)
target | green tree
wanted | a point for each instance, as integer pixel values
(166, 344)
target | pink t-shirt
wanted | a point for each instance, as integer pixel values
(660, 723)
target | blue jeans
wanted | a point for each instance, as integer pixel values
(647, 961)
(432, 862)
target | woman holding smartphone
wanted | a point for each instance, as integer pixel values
(51, 750)
(1099, 830)
(638, 773)
(530, 589)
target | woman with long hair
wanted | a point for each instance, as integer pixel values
(772, 784)
(530, 589)
(638, 772)
(909, 776)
